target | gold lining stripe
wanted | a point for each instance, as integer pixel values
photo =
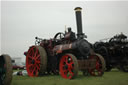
(78, 10)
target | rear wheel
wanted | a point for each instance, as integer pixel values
(100, 65)
(5, 70)
(104, 52)
(68, 66)
(36, 61)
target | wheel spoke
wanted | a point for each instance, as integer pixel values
(65, 72)
(38, 67)
(97, 65)
(33, 71)
(71, 71)
(67, 66)
(37, 57)
(33, 60)
(30, 57)
(31, 65)
(37, 62)
(70, 65)
(66, 60)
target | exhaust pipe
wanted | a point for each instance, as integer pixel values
(80, 33)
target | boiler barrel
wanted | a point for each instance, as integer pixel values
(81, 45)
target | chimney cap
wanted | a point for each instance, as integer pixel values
(78, 9)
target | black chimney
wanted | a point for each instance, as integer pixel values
(79, 22)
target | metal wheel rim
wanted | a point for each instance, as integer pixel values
(100, 65)
(33, 61)
(68, 66)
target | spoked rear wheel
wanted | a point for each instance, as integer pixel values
(36, 61)
(100, 65)
(104, 52)
(5, 70)
(68, 66)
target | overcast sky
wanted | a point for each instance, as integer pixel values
(22, 21)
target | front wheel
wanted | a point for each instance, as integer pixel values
(36, 61)
(68, 66)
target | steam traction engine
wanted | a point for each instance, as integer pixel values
(114, 51)
(64, 54)
(5, 69)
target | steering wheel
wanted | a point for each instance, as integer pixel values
(59, 36)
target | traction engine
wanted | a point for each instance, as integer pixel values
(114, 51)
(64, 54)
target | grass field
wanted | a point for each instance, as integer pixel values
(114, 77)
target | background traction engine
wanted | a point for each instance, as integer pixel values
(64, 54)
(114, 51)
(5, 69)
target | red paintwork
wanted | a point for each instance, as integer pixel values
(98, 70)
(66, 72)
(33, 55)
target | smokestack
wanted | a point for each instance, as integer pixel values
(79, 21)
